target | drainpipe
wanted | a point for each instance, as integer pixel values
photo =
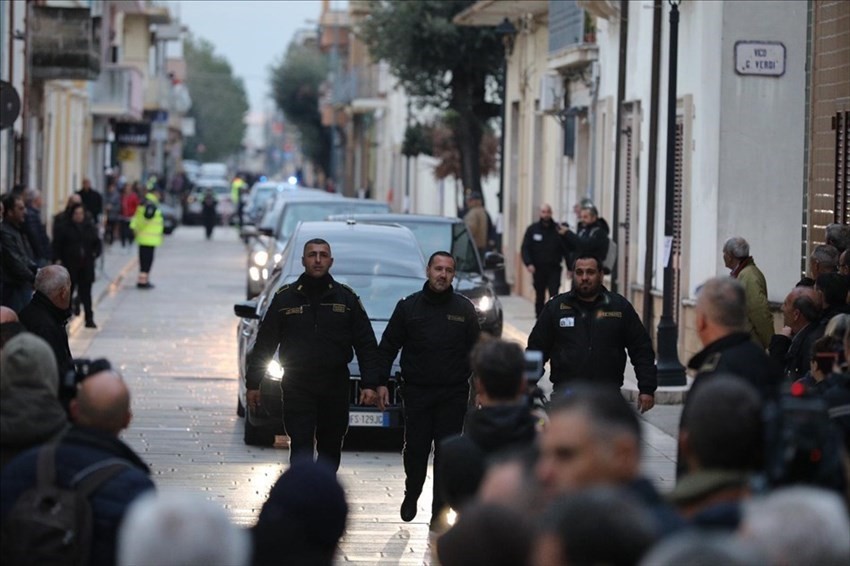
(621, 95)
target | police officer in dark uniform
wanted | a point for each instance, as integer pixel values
(316, 321)
(543, 249)
(586, 332)
(436, 329)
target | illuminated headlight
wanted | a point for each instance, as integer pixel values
(260, 258)
(275, 370)
(292, 181)
(451, 517)
(277, 258)
(254, 273)
(265, 274)
(485, 303)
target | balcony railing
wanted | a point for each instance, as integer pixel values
(157, 93)
(118, 92)
(62, 44)
(358, 87)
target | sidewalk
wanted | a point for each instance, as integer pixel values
(520, 312)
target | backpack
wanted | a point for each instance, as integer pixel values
(52, 524)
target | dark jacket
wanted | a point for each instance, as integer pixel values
(79, 449)
(737, 354)
(542, 246)
(77, 246)
(463, 458)
(18, 263)
(44, 319)
(92, 201)
(315, 342)
(590, 239)
(795, 354)
(435, 332)
(588, 341)
(37, 233)
(830, 312)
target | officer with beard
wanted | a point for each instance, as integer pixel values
(587, 331)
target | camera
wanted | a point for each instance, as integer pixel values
(80, 369)
(533, 369)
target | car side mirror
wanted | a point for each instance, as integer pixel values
(246, 309)
(494, 260)
(249, 231)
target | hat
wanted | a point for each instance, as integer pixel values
(28, 362)
(307, 497)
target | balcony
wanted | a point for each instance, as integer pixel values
(359, 89)
(63, 44)
(118, 93)
(157, 93)
(572, 36)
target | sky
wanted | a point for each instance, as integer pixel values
(251, 35)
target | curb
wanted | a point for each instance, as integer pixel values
(113, 286)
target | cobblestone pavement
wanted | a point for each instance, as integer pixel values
(176, 346)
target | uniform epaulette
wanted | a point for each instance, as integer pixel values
(344, 286)
(283, 288)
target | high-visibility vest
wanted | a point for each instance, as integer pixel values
(236, 189)
(148, 231)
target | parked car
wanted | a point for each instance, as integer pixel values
(383, 264)
(211, 170)
(436, 233)
(266, 252)
(193, 207)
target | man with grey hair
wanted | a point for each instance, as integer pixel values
(824, 259)
(736, 256)
(799, 525)
(838, 235)
(180, 528)
(47, 313)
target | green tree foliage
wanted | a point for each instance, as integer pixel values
(441, 64)
(219, 102)
(295, 84)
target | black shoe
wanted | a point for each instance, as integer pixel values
(147, 285)
(90, 324)
(76, 307)
(408, 507)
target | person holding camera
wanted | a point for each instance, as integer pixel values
(503, 419)
(543, 249)
(587, 331)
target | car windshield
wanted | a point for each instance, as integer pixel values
(296, 212)
(380, 294)
(433, 236)
(261, 195)
(218, 189)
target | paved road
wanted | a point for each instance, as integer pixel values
(176, 346)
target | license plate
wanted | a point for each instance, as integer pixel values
(368, 419)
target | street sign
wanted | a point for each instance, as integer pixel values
(764, 58)
(133, 133)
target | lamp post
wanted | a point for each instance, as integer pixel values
(507, 32)
(670, 371)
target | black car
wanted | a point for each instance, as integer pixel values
(383, 264)
(435, 233)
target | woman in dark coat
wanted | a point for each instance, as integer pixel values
(208, 213)
(76, 246)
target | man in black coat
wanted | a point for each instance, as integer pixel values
(502, 420)
(99, 413)
(92, 200)
(37, 233)
(46, 315)
(17, 263)
(587, 331)
(792, 348)
(591, 237)
(316, 322)
(543, 249)
(435, 329)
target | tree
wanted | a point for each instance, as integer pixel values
(444, 147)
(441, 64)
(219, 102)
(296, 82)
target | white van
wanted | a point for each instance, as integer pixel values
(213, 171)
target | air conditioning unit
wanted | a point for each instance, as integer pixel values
(551, 94)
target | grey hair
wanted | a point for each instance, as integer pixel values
(799, 525)
(724, 302)
(837, 326)
(51, 279)
(737, 247)
(30, 195)
(825, 256)
(697, 548)
(838, 235)
(177, 528)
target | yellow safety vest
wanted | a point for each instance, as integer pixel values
(148, 231)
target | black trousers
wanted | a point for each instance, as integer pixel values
(315, 423)
(82, 283)
(545, 279)
(430, 415)
(145, 258)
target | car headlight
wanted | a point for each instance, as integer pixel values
(254, 273)
(260, 258)
(277, 258)
(274, 370)
(485, 303)
(265, 274)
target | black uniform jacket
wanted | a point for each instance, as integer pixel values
(435, 332)
(543, 247)
(315, 344)
(737, 354)
(588, 340)
(795, 354)
(46, 320)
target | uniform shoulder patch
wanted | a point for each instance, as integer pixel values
(347, 288)
(710, 364)
(283, 288)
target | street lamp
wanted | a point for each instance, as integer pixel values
(670, 370)
(507, 32)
